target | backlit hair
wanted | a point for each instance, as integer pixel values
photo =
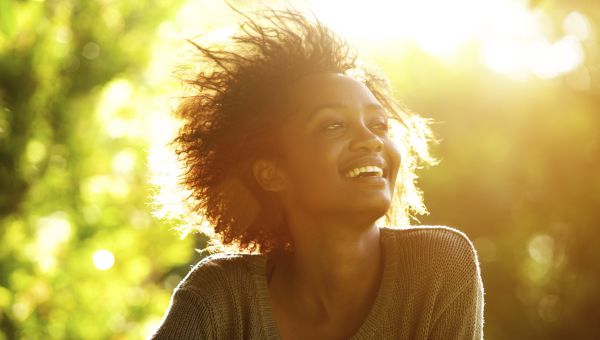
(230, 120)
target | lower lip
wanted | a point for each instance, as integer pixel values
(368, 180)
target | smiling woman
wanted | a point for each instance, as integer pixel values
(293, 152)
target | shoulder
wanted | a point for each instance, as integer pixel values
(217, 272)
(443, 249)
(208, 300)
(432, 239)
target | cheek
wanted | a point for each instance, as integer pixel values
(312, 167)
(313, 171)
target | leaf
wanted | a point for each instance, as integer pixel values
(7, 18)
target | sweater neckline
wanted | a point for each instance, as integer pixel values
(258, 268)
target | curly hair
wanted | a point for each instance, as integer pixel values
(231, 119)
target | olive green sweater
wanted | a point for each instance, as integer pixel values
(430, 289)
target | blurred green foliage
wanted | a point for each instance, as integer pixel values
(518, 174)
(65, 193)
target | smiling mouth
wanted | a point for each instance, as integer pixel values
(364, 171)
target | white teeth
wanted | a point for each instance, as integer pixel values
(357, 171)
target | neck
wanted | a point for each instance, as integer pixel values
(334, 266)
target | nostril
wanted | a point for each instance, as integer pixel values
(369, 142)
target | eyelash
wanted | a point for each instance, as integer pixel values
(334, 125)
(383, 126)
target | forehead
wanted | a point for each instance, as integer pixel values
(328, 88)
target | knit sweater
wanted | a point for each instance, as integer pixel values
(430, 288)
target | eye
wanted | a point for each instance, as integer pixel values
(380, 125)
(332, 126)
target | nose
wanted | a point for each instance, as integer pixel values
(365, 139)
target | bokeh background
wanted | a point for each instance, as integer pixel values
(85, 93)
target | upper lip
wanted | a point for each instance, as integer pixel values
(365, 161)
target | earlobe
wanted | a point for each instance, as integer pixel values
(268, 175)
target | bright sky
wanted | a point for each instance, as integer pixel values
(513, 39)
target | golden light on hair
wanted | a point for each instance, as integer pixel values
(202, 177)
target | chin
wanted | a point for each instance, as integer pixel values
(374, 210)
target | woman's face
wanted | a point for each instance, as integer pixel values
(337, 155)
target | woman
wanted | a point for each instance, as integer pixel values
(290, 155)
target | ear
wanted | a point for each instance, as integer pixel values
(269, 176)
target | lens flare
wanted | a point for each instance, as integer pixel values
(103, 259)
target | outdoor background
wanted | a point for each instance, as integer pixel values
(85, 92)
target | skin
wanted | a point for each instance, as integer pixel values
(327, 286)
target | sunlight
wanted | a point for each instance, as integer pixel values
(439, 32)
(150, 327)
(36, 151)
(551, 60)
(52, 232)
(512, 37)
(541, 257)
(165, 173)
(103, 259)
(505, 56)
(123, 162)
(577, 25)
(94, 187)
(115, 95)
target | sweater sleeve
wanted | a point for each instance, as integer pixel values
(188, 317)
(462, 318)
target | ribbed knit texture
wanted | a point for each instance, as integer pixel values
(431, 289)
